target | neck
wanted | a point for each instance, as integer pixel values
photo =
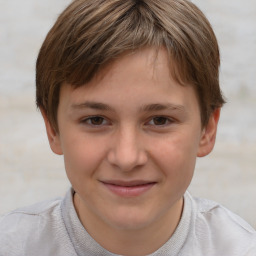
(134, 241)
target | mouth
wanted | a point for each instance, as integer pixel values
(130, 188)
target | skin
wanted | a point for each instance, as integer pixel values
(130, 139)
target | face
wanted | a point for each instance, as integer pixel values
(130, 139)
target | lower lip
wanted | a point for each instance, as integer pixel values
(131, 191)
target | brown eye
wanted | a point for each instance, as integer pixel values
(160, 120)
(97, 120)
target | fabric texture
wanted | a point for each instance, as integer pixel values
(52, 228)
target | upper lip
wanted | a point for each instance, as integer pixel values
(130, 183)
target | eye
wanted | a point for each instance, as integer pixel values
(95, 121)
(160, 121)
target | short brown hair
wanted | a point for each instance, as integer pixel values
(91, 33)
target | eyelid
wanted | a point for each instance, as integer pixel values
(168, 119)
(85, 120)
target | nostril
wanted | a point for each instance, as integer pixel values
(127, 161)
(125, 150)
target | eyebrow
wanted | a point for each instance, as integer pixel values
(92, 105)
(144, 108)
(159, 107)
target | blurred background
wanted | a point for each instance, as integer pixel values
(30, 172)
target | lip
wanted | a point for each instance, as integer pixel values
(128, 188)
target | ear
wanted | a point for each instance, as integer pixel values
(53, 136)
(208, 137)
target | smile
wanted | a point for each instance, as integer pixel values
(128, 189)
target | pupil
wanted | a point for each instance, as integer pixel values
(97, 120)
(159, 120)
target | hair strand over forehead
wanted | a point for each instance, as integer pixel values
(90, 34)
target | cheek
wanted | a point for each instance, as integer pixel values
(82, 157)
(176, 157)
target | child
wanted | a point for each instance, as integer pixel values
(129, 93)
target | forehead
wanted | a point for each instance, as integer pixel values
(135, 80)
(158, 63)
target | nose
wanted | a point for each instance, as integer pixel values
(127, 152)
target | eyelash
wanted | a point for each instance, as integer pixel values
(89, 121)
(164, 118)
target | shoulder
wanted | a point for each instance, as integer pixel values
(222, 230)
(30, 214)
(21, 228)
(214, 213)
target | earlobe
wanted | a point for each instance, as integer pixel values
(209, 134)
(53, 136)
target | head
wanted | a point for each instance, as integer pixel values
(130, 96)
(90, 34)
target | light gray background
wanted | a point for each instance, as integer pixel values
(30, 172)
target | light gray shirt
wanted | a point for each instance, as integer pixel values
(52, 228)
